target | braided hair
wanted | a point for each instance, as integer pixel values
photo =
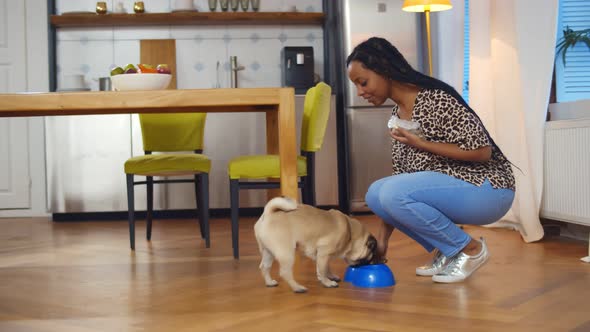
(380, 56)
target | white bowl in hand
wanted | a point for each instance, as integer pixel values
(140, 81)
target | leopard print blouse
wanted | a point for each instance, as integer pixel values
(444, 119)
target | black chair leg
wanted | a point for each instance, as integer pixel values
(234, 189)
(310, 188)
(199, 204)
(150, 206)
(131, 209)
(304, 192)
(204, 207)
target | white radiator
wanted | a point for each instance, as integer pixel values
(566, 191)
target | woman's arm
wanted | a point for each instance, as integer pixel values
(448, 150)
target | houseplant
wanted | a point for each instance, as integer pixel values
(570, 39)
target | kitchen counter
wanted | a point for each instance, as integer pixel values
(276, 103)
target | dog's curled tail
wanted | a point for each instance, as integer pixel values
(280, 204)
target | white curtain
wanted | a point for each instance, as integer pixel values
(511, 65)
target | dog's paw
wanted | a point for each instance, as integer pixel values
(272, 283)
(300, 290)
(330, 284)
(335, 278)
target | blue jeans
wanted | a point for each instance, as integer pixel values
(426, 206)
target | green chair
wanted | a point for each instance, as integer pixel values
(313, 128)
(170, 133)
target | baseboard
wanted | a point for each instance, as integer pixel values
(159, 214)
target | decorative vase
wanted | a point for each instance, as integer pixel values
(255, 5)
(212, 5)
(101, 7)
(235, 4)
(138, 7)
(224, 4)
(245, 4)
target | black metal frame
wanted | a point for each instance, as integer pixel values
(201, 182)
(306, 184)
(52, 46)
(335, 70)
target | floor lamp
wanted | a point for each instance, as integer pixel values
(427, 6)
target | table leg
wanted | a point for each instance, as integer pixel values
(288, 143)
(272, 146)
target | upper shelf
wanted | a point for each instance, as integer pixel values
(187, 18)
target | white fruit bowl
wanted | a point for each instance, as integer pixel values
(145, 81)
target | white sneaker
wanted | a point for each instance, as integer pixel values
(461, 266)
(435, 266)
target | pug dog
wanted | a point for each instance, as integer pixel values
(321, 235)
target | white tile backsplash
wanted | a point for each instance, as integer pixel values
(260, 60)
(142, 32)
(93, 51)
(198, 32)
(303, 31)
(93, 33)
(254, 32)
(126, 51)
(92, 59)
(196, 64)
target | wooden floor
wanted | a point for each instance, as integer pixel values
(83, 277)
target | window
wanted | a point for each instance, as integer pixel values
(573, 79)
(465, 92)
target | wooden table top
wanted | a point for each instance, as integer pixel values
(154, 101)
(278, 103)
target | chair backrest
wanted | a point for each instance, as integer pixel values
(172, 132)
(316, 111)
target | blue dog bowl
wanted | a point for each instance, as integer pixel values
(370, 276)
(350, 273)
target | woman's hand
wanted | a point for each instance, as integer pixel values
(406, 137)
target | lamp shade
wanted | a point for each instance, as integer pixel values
(426, 5)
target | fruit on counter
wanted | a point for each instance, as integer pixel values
(163, 69)
(130, 69)
(117, 71)
(145, 68)
(141, 68)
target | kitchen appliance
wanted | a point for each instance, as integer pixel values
(369, 147)
(297, 68)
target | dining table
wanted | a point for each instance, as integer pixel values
(277, 103)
